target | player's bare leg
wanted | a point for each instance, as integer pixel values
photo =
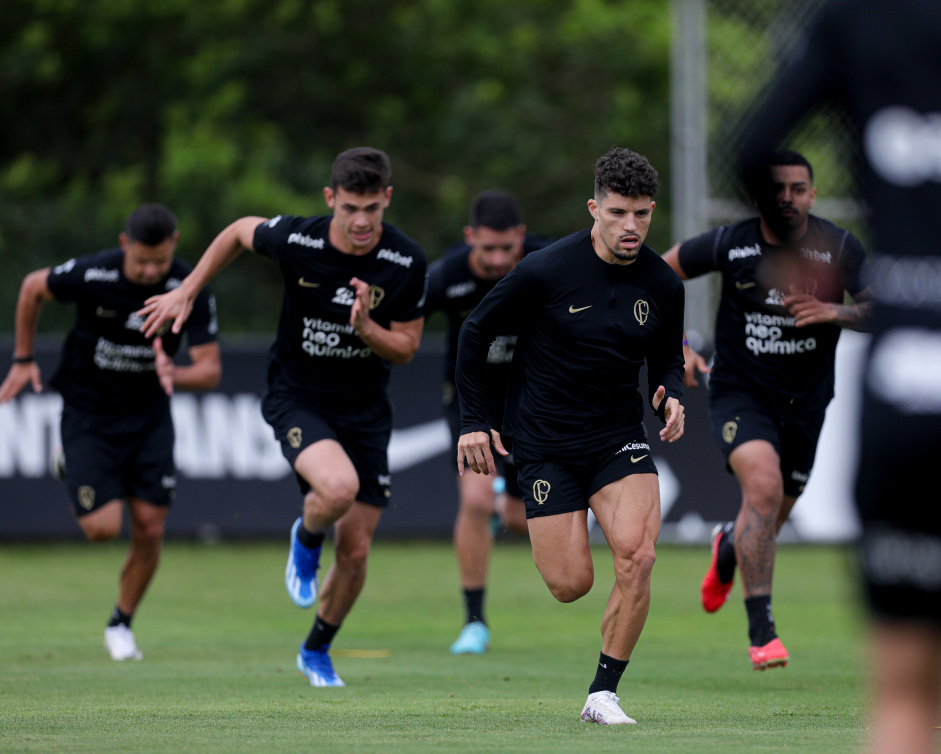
(513, 514)
(143, 556)
(562, 555)
(342, 585)
(757, 467)
(334, 483)
(344, 581)
(628, 512)
(473, 540)
(906, 659)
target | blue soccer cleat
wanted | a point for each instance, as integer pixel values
(300, 577)
(316, 667)
(473, 639)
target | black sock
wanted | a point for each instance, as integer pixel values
(760, 621)
(119, 618)
(474, 605)
(725, 560)
(321, 634)
(309, 539)
(608, 674)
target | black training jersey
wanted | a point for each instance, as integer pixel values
(317, 355)
(585, 330)
(107, 364)
(758, 346)
(454, 289)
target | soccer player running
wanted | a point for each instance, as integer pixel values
(589, 310)
(115, 381)
(779, 319)
(494, 241)
(353, 296)
(881, 64)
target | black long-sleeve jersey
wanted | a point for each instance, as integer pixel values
(107, 364)
(758, 346)
(585, 328)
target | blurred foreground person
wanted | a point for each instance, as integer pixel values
(495, 240)
(590, 309)
(780, 313)
(881, 63)
(116, 382)
(354, 288)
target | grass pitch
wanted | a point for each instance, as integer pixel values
(219, 637)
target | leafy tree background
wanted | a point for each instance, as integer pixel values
(225, 108)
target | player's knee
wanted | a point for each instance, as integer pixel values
(100, 531)
(571, 586)
(352, 558)
(765, 493)
(635, 563)
(336, 494)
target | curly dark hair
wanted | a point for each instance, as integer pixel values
(627, 173)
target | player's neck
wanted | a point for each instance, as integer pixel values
(777, 239)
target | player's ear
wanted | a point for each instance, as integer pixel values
(388, 195)
(123, 239)
(328, 196)
(469, 235)
(593, 207)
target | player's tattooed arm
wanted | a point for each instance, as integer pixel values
(808, 310)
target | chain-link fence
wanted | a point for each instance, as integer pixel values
(725, 52)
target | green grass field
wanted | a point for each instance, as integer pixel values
(220, 635)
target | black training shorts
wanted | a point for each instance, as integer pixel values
(364, 436)
(737, 416)
(551, 487)
(117, 456)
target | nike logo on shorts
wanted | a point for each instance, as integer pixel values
(742, 286)
(304, 284)
(573, 310)
(639, 458)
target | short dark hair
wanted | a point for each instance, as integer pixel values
(150, 224)
(790, 157)
(362, 170)
(495, 209)
(626, 173)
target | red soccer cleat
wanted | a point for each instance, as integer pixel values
(713, 593)
(771, 655)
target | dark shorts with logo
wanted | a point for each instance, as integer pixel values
(364, 436)
(506, 465)
(737, 416)
(900, 549)
(114, 457)
(551, 487)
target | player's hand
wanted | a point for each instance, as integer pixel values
(674, 413)
(693, 362)
(19, 376)
(173, 305)
(164, 367)
(475, 447)
(359, 312)
(806, 309)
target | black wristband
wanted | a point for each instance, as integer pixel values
(661, 410)
(23, 359)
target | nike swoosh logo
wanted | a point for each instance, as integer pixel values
(742, 286)
(635, 460)
(102, 312)
(603, 665)
(303, 284)
(573, 310)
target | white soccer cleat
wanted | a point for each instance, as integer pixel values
(602, 708)
(119, 641)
